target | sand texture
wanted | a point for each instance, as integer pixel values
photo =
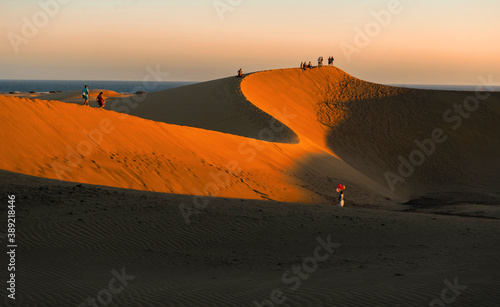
(208, 194)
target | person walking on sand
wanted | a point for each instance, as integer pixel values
(240, 73)
(340, 190)
(100, 100)
(85, 95)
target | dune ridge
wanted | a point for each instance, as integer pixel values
(77, 95)
(217, 105)
(316, 128)
(369, 126)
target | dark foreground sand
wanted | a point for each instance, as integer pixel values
(234, 252)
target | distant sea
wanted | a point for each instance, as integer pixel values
(45, 86)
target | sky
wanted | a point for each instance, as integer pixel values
(384, 41)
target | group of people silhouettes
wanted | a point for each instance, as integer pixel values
(305, 65)
(86, 94)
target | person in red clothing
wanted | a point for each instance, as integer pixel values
(100, 100)
(340, 190)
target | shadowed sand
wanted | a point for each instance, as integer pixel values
(235, 252)
(217, 105)
(266, 153)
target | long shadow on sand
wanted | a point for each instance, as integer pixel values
(217, 105)
(376, 135)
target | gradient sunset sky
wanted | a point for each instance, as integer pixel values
(424, 42)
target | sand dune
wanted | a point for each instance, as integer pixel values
(319, 127)
(459, 162)
(203, 140)
(64, 141)
(217, 105)
(370, 125)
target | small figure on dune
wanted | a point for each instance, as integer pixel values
(304, 65)
(340, 190)
(320, 61)
(100, 100)
(330, 61)
(85, 95)
(309, 65)
(240, 73)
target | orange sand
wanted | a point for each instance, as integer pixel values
(338, 129)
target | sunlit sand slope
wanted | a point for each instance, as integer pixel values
(65, 141)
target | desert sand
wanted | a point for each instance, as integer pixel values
(210, 193)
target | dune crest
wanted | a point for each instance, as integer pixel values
(77, 95)
(317, 128)
(217, 105)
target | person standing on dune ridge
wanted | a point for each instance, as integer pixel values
(320, 61)
(85, 95)
(340, 190)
